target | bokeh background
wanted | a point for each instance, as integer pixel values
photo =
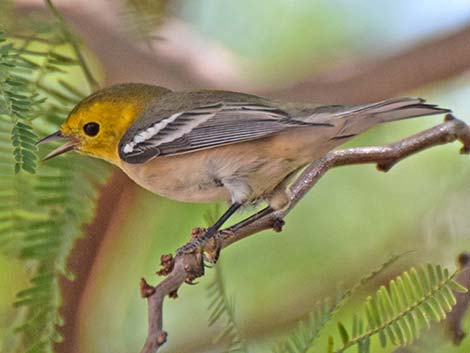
(323, 51)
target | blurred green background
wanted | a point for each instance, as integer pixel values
(352, 220)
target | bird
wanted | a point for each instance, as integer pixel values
(208, 146)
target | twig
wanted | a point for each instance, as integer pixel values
(454, 320)
(94, 85)
(429, 61)
(187, 267)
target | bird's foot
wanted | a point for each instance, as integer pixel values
(196, 242)
(209, 246)
(213, 246)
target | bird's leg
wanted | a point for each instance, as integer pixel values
(200, 241)
(258, 215)
(255, 217)
(279, 199)
(216, 226)
(220, 235)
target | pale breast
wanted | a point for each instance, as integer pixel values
(177, 178)
(209, 176)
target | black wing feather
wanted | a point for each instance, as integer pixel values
(208, 126)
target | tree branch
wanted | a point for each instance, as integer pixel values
(187, 267)
(371, 80)
(115, 196)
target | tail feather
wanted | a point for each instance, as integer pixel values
(361, 118)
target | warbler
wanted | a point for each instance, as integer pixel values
(207, 146)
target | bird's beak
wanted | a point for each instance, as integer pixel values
(57, 136)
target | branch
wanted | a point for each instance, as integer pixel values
(372, 80)
(115, 196)
(455, 318)
(186, 267)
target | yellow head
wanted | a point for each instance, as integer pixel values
(96, 125)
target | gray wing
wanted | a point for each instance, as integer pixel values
(207, 126)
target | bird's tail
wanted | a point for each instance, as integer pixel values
(355, 120)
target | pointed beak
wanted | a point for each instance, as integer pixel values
(57, 136)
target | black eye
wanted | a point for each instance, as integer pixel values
(91, 129)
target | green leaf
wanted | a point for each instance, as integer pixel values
(457, 287)
(331, 345)
(343, 333)
(397, 315)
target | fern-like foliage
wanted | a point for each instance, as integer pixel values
(19, 104)
(398, 313)
(41, 215)
(142, 17)
(222, 309)
(67, 197)
(308, 331)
